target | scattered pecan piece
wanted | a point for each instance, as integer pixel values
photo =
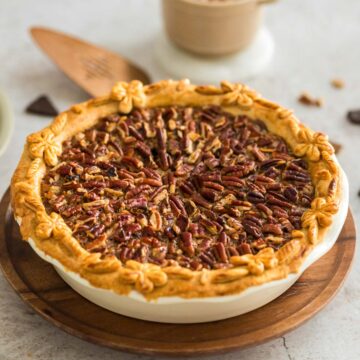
(306, 99)
(338, 83)
(337, 147)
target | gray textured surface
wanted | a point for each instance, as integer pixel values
(315, 40)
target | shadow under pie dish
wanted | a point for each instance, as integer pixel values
(157, 200)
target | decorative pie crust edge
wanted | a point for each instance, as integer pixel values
(52, 236)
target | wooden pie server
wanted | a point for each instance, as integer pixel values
(94, 69)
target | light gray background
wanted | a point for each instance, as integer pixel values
(316, 40)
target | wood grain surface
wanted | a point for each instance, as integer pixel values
(38, 285)
(94, 69)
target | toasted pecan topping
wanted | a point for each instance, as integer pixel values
(179, 184)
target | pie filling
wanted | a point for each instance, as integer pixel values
(186, 185)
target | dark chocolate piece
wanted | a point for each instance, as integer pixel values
(42, 106)
(354, 116)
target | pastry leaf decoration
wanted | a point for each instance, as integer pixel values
(44, 145)
(312, 145)
(129, 95)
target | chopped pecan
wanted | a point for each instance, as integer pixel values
(244, 249)
(156, 220)
(188, 245)
(272, 228)
(151, 182)
(186, 185)
(182, 222)
(140, 202)
(252, 229)
(209, 194)
(273, 200)
(132, 162)
(291, 193)
(255, 197)
(199, 200)
(177, 206)
(221, 252)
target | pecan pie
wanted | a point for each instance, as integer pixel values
(176, 189)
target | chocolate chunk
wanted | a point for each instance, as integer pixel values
(42, 106)
(354, 116)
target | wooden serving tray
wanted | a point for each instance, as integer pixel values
(38, 285)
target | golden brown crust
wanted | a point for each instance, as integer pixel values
(52, 236)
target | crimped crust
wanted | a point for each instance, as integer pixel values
(54, 237)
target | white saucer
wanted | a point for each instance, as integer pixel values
(6, 123)
(240, 66)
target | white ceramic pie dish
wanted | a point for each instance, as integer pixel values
(179, 310)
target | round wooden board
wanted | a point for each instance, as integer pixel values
(38, 284)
